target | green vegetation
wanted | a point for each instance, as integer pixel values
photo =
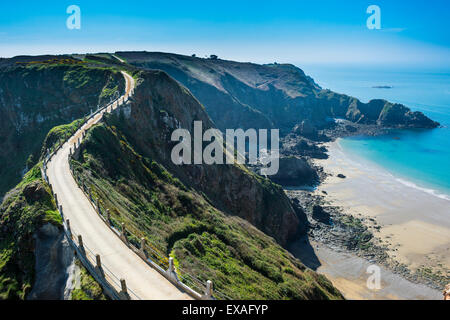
(104, 59)
(58, 135)
(439, 274)
(243, 262)
(56, 61)
(77, 79)
(109, 92)
(39, 96)
(387, 108)
(89, 289)
(124, 59)
(107, 61)
(362, 235)
(81, 76)
(351, 222)
(23, 211)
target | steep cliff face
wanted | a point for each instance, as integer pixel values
(161, 105)
(24, 210)
(36, 95)
(247, 95)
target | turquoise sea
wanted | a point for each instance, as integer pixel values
(418, 158)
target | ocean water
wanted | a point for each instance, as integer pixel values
(417, 158)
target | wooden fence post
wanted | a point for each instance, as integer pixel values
(124, 233)
(69, 231)
(209, 289)
(142, 249)
(124, 291)
(80, 243)
(98, 261)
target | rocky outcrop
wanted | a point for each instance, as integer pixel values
(306, 129)
(384, 113)
(298, 146)
(295, 171)
(319, 214)
(54, 257)
(397, 115)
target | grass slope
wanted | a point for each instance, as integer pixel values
(243, 262)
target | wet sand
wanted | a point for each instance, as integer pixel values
(414, 224)
(348, 273)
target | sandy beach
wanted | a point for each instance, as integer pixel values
(415, 224)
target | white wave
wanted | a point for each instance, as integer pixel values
(366, 166)
(429, 191)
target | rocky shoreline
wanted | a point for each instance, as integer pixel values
(330, 225)
(344, 232)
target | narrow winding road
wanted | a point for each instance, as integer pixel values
(142, 281)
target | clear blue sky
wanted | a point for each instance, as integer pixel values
(414, 32)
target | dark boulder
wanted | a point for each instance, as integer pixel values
(301, 146)
(319, 214)
(295, 171)
(34, 191)
(306, 129)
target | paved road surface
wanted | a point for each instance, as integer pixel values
(141, 279)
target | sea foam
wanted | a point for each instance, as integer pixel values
(429, 191)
